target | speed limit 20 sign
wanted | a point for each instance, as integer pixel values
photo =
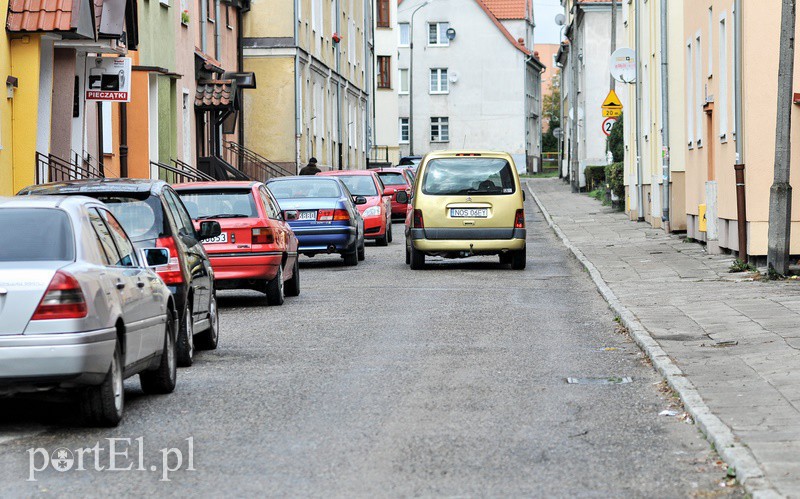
(608, 124)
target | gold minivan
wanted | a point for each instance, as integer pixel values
(466, 203)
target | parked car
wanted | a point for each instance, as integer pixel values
(411, 174)
(397, 181)
(79, 310)
(323, 215)
(256, 249)
(377, 212)
(464, 204)
(412, 161)
(154, 216)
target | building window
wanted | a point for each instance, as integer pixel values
(405, 34)
(209, 10)
(440, 129)
(384, 71)
(689, 95)
(404, 130)
(383, 14)
(437, 34)
(228, 17)
(723, 79)
(439, 81)
(403, 81)
(711, 41)
(699, 94)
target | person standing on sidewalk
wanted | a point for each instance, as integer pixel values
(310, 168)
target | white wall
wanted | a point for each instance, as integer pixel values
(387, 112)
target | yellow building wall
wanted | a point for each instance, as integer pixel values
(269, 114)
(25, 65)
(270, 18)
(6, 135)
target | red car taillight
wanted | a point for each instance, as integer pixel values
(325, 215)
(419, 222)
(341, 215)
(519, 219)
(170, 273)
(263, 235)
(62, 300)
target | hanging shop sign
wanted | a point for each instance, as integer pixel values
(108, 79)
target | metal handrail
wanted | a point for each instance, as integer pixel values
(51, 168)
(173, 175)
(251, 163)
(190, 171)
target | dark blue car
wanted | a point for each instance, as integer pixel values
(323, 215)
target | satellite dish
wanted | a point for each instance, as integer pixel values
(561, 19)
(623, 65)
(453, 77)
(451, 34)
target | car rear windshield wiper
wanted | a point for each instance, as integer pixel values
(224, 215)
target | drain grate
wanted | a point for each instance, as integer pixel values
(609, 380)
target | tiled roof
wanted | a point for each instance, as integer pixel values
(214, 94)
(41, 15)
(509, 9)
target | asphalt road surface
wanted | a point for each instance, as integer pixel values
(382, 381)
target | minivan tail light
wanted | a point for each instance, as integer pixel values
(419, 222)
(341, 215)
(519, 219)
(263, 235)
(325, 215)
(63, 299)
(170, 273)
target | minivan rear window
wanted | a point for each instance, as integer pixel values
(468, 176)
(142, 219)
(223, 203)
(36, 235)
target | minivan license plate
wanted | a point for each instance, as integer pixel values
(469, 212)
(221, 238)
(307, 215)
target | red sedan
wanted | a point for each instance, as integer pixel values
(377, 213)
(397, 180)
(256, 248)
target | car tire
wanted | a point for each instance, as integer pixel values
(275, 289)
(162, 380)
(292, 286)
(383, 240)
(408, 255)
(519, 259)
(104, 404)
(417, 259)
(208, 339)
(505, 258)
(362, 251)
(186, 338)
(351, 257)
(389, 230)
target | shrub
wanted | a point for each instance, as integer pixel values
(595, 177)
(616, 141)
(615, 178)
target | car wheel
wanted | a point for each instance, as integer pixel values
(351, 257)
(275, 290)
(186, 338)
(383, 240)
(293, 284)
(162, 380)
(208, 339)
(505, 258)
(389, 230)
(408, 254)
(417, 259)
(362, 251)
(519, 259)
(103, 405)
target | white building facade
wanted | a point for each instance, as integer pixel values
(386, 142)
(474, 84)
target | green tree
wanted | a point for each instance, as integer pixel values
(616, 142)
(551, 113)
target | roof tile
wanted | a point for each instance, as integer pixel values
(508, 9)
(214, 94)
(40, 15)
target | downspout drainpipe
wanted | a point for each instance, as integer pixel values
(217, 21)
(741, 200)
(639, 179)
(298, 124)
(339, 143)
(665, 202)
(240, 66)
(203, 17)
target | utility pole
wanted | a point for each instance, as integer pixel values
(780, 195)
(613, 85)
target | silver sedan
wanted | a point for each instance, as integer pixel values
(79, 308)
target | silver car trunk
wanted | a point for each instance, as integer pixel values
(22, 286)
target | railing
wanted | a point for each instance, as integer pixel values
(550, 161)
(251, 163)
(379, 154)
(51, 168)
(180, 173)
(191, 174)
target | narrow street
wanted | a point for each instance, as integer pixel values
(382, 381)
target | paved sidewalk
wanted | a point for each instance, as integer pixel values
(730, 345)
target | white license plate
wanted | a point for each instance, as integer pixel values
(222, 238)
(307, 215)
(469, 212)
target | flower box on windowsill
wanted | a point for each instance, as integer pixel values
(185, 18)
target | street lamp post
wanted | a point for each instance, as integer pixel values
(411, 80)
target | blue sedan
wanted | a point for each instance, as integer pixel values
(323, 215)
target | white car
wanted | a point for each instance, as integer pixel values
(79, 308)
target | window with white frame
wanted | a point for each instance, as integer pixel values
(689, 95)
(405, 34)
(439, 81)
(404, 81)
(711, 41)
(437, 34)
(351, 43)
(699, 91)
(723, 78)
(404, 130)
(440, 129)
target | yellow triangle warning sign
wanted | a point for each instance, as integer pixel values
(612, 101)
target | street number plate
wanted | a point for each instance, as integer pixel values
(469, 212)
(307, 215)
(222, 238)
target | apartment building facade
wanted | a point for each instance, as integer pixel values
(388, 82)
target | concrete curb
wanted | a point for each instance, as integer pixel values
(736, 454)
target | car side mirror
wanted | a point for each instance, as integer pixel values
(359, 200)
(402, 197)
(209, 229)
(155, 257)
(291, 215)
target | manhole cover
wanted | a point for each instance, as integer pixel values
(610, 380)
